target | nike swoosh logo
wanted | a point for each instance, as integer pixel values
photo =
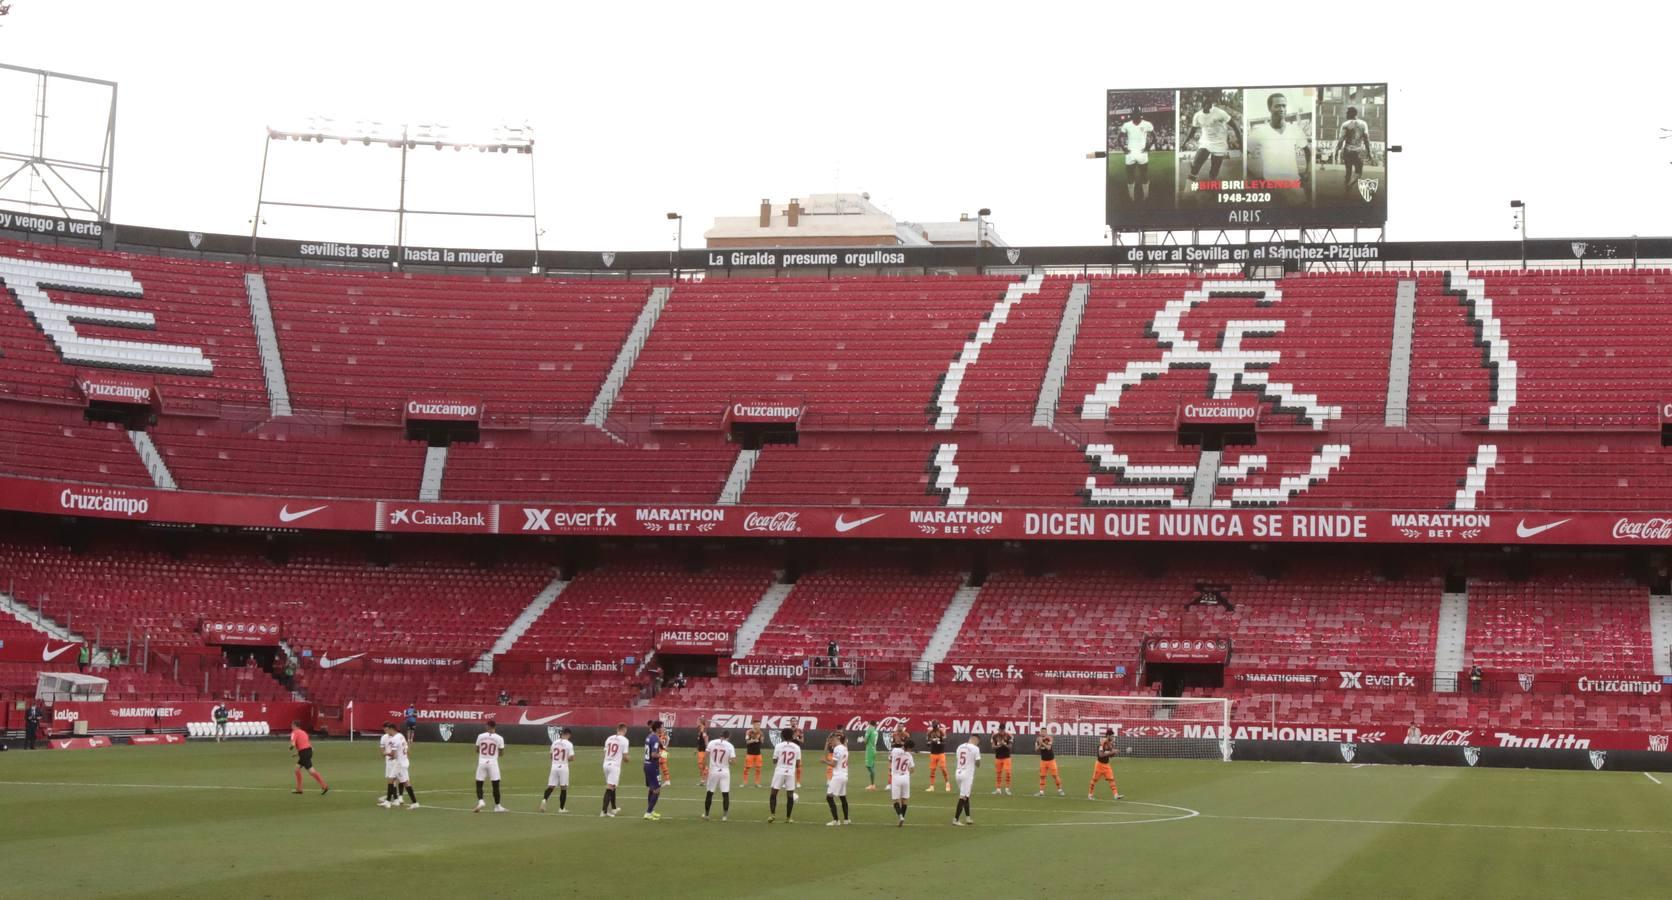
(50, 655)
(285, 515)
(525, 720)
(326, 662)
(1522, 531)
(843, 526)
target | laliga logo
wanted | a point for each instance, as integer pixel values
(780, 522)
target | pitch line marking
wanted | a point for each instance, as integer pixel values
(1482, 825)
(1651, 778)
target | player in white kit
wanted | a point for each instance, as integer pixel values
(836, 748)
(563, 751)
(1214, 126)
(1281, 150)
(615, 752)
(489, 748)
(900, 764)
(787, 758)
(969, 759)
(1136, 134)
(395, 768)
(717, 760)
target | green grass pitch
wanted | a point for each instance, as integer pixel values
(1160, 179)
(220, 821)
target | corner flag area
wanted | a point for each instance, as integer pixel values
(220, 820)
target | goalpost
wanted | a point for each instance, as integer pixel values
(1161, 727)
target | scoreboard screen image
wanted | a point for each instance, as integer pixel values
(1247, 157)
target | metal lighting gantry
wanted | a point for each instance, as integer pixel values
(505, 139)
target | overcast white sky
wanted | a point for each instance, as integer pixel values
(934, 108)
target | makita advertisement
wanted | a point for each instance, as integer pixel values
(39, 650)
(220, 631)
(891, 523)
(140, 715)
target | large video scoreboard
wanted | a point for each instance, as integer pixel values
(1247, 157)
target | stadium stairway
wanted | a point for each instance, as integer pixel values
(147, 450)
(737, 481)
(1474, 482)
(1399, 359)
(520, 625)
(1449, 640)
(760, 617)
(951, 623)
(267, 342)
(946, 399)
(946, 476)
(435, 466)
(32, 617)
(1062, 353)
(1660, 632)
(610, 390)
(1207, 476)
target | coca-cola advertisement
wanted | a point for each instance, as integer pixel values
(777, 523)
(1356, 526)
(256, 633)
(1187, 650)
(695, 641)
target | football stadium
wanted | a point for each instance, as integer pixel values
(831, 547)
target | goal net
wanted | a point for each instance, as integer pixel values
(1171, 727)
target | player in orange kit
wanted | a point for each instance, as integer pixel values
(1104, 767)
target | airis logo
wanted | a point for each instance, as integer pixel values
(326, 662)
(562, 520)
(779, 522)
(843, 526)
(285, 515)
(1655, 529)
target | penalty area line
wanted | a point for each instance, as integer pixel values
(1651, 778)
(1420, 824)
